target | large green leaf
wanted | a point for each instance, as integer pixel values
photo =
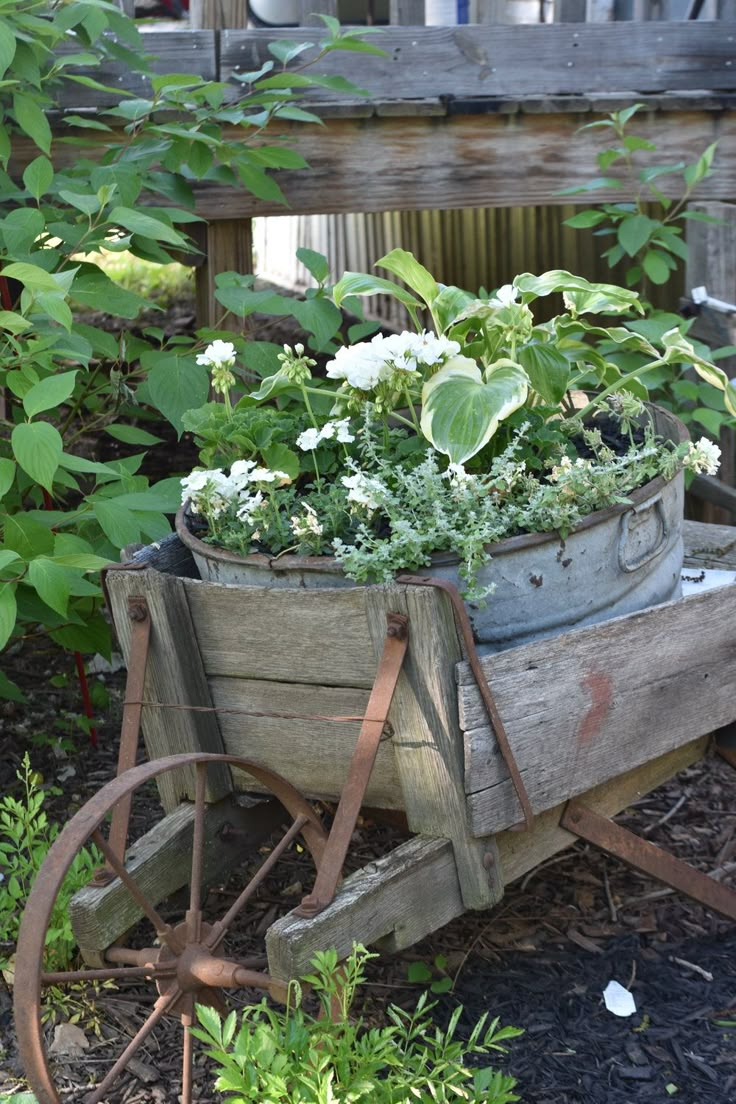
(37, 447)
(176, 384)
(33, 277)
(580, 295)
(7, 47)
(358, 283)
(407, 268)
(117, 522)
(138, 222)
(26, 536)
(461, 411)
(51, 582)
(635, 232)
(93, 287)
(547, 368)
(8, 611)
(7, 475)
(49, 393)
(32, 120)
(681, 351)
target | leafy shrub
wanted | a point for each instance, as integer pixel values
(289, 1057)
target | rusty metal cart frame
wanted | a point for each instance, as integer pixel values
(397, 673)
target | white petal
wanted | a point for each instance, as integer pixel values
(618, 1000)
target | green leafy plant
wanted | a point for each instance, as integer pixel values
(124, 186)
(449, 440)
(290, 1057)
(435, 976)
(25, 838)
(648, 230)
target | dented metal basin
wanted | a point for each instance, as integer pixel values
(616, 561)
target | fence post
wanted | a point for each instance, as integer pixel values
(218, 14)
(712, 264)
(406, 13)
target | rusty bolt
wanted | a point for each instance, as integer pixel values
(489, 860)
(137, 610)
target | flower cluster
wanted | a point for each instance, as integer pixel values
(389, 359)
(314, 436)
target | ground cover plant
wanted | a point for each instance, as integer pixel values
(291, 1057)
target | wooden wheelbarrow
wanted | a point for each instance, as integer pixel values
(254, 702)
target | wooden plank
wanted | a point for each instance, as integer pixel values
(173, 52)
(426, 741)
(407, 13)
(218, 14)
(503, 60)
(709, 545)
(313, 754)
(174, 674)
(579, 706)
(520, 852)
(160, 862)
(228, 247)
(418, 162)
(404, 896)
(261, 633)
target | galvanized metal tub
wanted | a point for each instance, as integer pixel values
(618, 560)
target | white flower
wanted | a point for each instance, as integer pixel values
(307, 525)
(248, 506)
(703, 456)
(506, 296)
(363, 490)
(241, 474)
(265, 475)
(457, 474)
(342, 431)
(218, 354)
(362, 365)
(309, 439)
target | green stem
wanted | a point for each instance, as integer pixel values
(410, 404)
(619, 385)
(304, 389)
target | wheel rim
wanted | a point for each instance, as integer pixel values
(188, 965)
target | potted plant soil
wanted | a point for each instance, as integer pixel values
(510, 456)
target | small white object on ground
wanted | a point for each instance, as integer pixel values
(69, 1040)
(618, 1000)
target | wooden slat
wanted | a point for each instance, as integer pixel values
(314, 755)
(174, 52)
(520, 852)
(505, 60)
(160, 862)
(579, 706)
(426, 740)
(174, 674)
(320, 638)
(405, 895)
(228, 247)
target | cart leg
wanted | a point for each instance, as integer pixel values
(648, 858)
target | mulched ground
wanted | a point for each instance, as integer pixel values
(540, 960)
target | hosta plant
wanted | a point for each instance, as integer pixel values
(477, 424)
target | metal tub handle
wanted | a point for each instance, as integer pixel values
(656, 504)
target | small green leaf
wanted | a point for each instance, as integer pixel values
(358, 283)
(8, 611)
(132, 435)
(656, 267)
(51, 583)
(49, 393)
(315, 263)
(407, 268)
(37, 446)
(33, 277)
(148, 227)
(635, 232)
(119, 524)
(38, 176)
(585, 219)
(418, 972)
(7, 47)
(548, 370)
(32, 120)
(13, 322)
(7, 476)
(10, 692)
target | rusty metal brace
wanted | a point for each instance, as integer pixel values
(463, 622)
(650, 859)
(140, 638)
(361, 766)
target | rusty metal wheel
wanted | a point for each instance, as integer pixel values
(186, 961)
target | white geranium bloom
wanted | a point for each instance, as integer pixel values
(309, 439)
(703, 456)
(218, 354)
(199, 485)
(342, 431)
(363, 490)
(265, 475)
(248, 506)
(361, 365)
(241, 474)
(506, 296)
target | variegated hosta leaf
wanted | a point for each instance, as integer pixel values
(579, 294)
(461, 410)
(681, 351)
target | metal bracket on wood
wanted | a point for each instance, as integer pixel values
(645, 856)
(140, 638)
(361, 766)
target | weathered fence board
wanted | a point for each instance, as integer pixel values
(580, 706)
(509, 61)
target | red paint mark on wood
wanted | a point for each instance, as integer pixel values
(600, 687)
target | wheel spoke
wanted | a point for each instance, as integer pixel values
(187, 1065)
(159, 1011)
(69, 977)
(220, 929)
(195, 881)
(163, 930)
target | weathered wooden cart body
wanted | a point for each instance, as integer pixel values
(283, 677)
